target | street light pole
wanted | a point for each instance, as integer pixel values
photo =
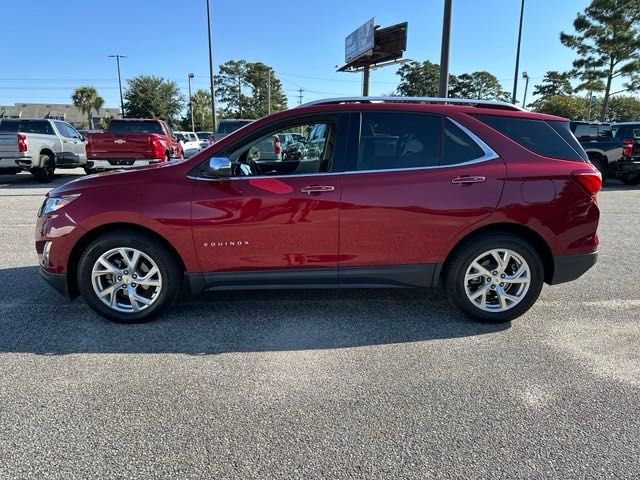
(515, 75)
(443, 90)
(526, 85)
(213, 95)
(189, 77)
(118, 57)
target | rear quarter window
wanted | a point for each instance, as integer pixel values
(547, 138)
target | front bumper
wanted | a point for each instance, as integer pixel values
(57, 280)
(102, 165)
(569, 267)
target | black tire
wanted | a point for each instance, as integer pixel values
(631, 179)
(167, 265)
(463, 257)
(601, 164)
(45, 173)
(90, 171)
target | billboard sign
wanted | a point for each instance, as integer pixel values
(359, 41)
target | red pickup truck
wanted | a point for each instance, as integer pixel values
(131, 142)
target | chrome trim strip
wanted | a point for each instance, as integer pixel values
(489, 154)
(471, 101)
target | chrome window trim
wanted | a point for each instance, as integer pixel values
(489, 154)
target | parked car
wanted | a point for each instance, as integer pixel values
(39, 146)
(131, 142)
(225, 127)
(189, 141)
(628, 167)
(483, 198)
(204, 138)
(604, 144)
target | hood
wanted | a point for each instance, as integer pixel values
(115, 177)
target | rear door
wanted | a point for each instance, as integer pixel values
(416, 182)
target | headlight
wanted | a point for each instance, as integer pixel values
(51, 204)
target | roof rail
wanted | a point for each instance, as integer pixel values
(466, 101)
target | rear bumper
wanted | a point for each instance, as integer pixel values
(57, 280)
(15, 162)
(569, 267)
(628, 165)
(119, 164)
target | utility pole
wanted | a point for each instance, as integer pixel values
(515, 75)
(213, 95)
(526, 86)
(118, 57)
(268, 91)
(239, 97)
(300, 96)
(443, 89)
(365, 80)
(189, 77)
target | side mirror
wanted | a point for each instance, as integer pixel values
(218, 167)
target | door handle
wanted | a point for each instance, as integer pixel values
(65, 141)
(315, 189)
(468, 179)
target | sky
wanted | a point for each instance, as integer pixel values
(67, 43)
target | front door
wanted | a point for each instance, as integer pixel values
(418, 181)
(278, 212)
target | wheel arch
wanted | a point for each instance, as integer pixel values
(91, 235)
(521, 231)
(48, 151)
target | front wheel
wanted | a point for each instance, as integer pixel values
(631, 179)
(128, 277)
(495, 279)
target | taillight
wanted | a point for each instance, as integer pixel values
(22, 143)
(627, 149)
(591, 182)
(277, 147)
(157, 150)
(88, 147)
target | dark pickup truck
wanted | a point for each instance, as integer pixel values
(613, 148)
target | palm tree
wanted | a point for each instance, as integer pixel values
(87, 99)
(201, 101)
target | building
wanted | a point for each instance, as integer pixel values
(56, 111)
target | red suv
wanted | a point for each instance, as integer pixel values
(483, 198)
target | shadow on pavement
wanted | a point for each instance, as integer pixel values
(26, 180)
(36, 319)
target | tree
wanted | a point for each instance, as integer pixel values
(418, 79)
(243, 87)
(562, 106)
(553, 84)
(87, 99)
(153, 97)
(201, 101)
(607, 41)
(623, 108)
(481, 85)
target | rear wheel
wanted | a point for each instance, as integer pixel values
(631, 179)
(601, 164)
(128, 277)
(90, 171)
(495, 279)
(46, 172)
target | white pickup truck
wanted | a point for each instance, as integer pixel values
(39, 146)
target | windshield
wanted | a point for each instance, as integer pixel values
(231, 126)
(26, 126)
(203, 135)
(135, 127)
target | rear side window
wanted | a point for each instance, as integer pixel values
(545, 138)
(135, 127)
(390, 140)
(26, 126)
(458, 146)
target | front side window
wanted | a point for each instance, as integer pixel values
(392, 140)
(270, 155)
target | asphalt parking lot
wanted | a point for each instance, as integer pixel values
(321, 384)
